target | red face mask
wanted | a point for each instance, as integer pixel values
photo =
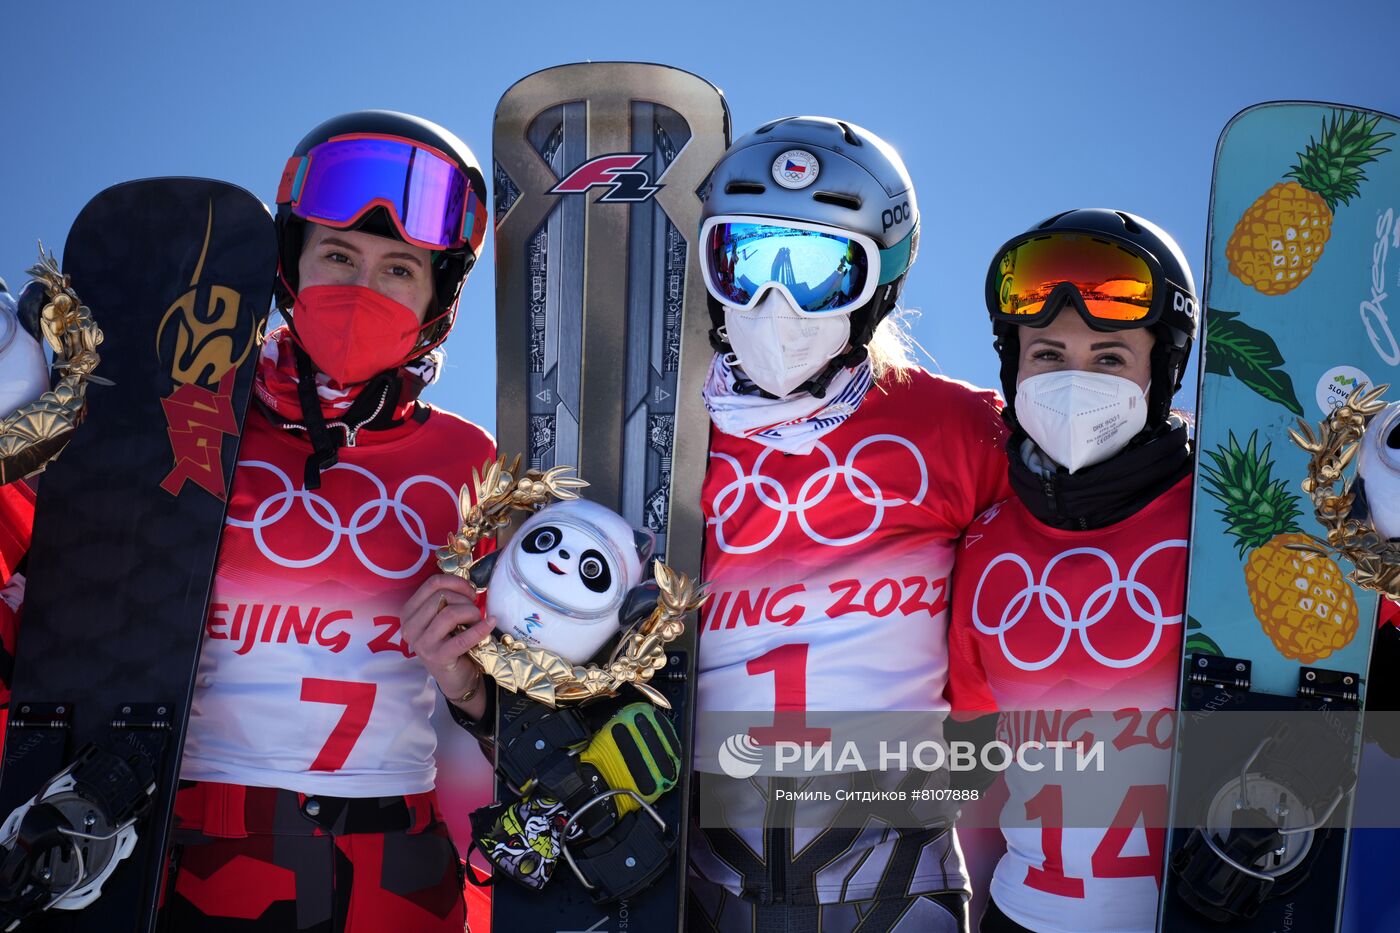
(353, 333)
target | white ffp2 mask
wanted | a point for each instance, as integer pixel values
(1080, 418)
(779, 348)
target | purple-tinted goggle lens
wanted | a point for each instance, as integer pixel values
(427, 194)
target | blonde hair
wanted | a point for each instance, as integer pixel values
(891, 348)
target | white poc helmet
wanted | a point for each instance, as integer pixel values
(564, 576)
(831, 173)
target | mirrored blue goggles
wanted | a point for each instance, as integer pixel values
(823, 270)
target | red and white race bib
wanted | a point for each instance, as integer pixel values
(829, 571)
(305, 681)
(1076, 637)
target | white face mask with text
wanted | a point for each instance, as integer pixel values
(778, 347)
(1080, 418)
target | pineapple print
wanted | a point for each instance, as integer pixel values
(1302, 600)
(1280, 237)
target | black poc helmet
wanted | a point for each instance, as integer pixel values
(450, 266)
(1174, 323)
(862, 186)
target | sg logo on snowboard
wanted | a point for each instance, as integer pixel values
(205, 340)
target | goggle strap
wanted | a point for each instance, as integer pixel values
(469, 213)
(894, 261)
(1067, 295)
(289, 188)
(300, 179)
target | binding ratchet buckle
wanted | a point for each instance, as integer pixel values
(1263, 829)
(63, 843)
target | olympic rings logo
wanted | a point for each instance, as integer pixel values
(367, 517)
(1078, 622)
(813, 492)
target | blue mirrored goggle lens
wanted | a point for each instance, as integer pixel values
(824, 272)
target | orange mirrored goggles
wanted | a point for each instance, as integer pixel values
(1110, 283)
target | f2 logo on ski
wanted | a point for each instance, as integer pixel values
(618, 172)
(206, 341)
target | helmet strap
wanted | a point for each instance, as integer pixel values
(864, 321)
(324, 449)
(1008, 347)
(816, 386)
(373, 409)
(1168, 367)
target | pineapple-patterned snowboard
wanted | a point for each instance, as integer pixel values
(1302, 219)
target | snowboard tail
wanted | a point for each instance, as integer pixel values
(602, 351)
(178, 273)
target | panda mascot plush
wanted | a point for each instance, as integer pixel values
(571, 578)
(563, 582)
(24, 370)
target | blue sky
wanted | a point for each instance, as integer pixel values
(1005, 112)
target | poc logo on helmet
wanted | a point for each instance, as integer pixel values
(890, 217)
(1183, 304)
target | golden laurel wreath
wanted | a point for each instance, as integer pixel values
(36, 433)
(540, 674)
(1331, 450)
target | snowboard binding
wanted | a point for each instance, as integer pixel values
(584, 794)
(1264, 828)
(62, 845)
(622, 862)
